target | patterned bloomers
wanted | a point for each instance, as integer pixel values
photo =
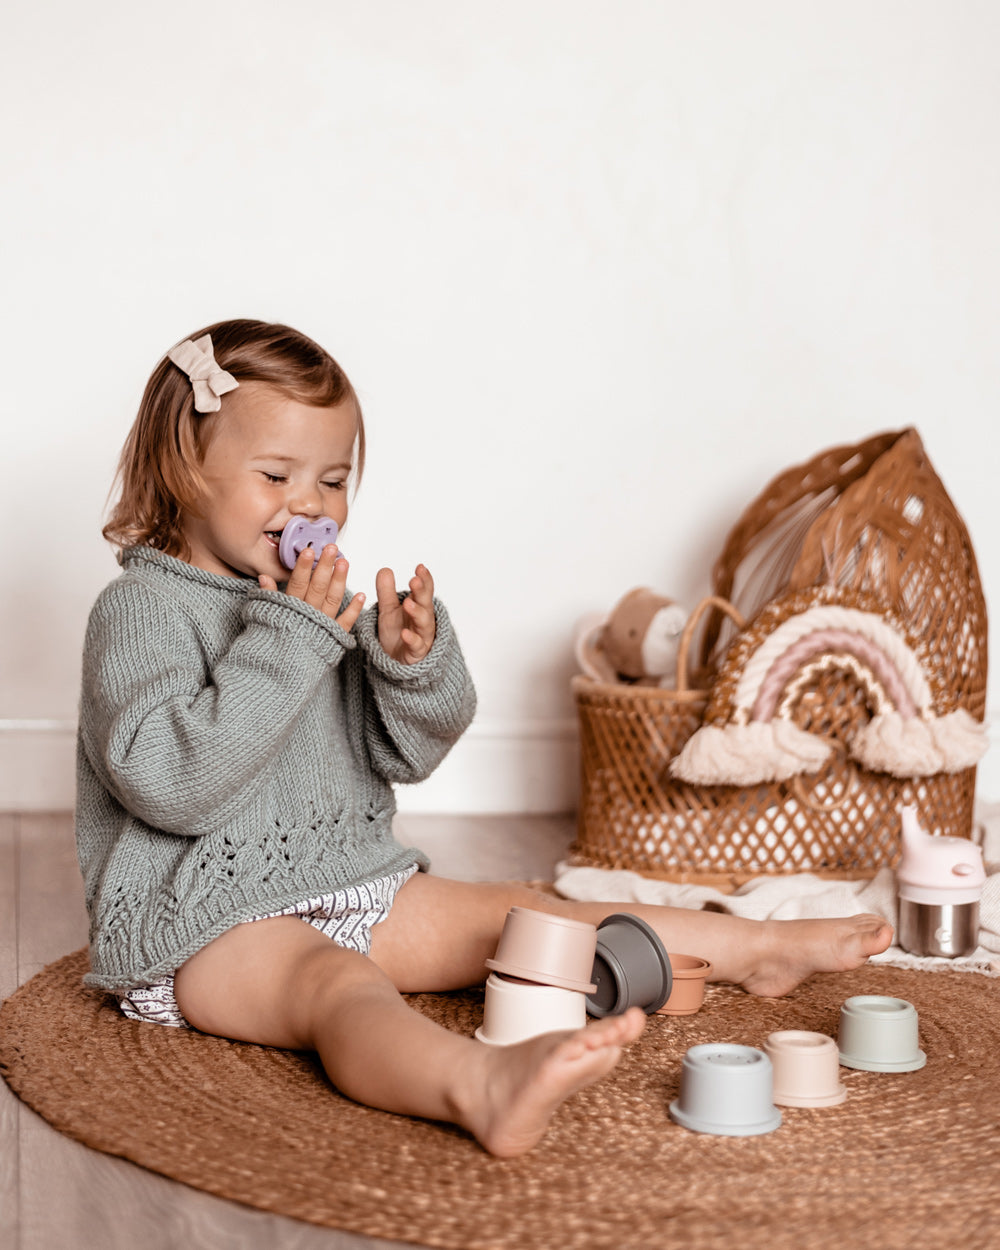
(346, 917)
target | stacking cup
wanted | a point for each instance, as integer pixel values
(514, 1010)
(879, 1034)
(726, 1090)
(806, 1069)
(631, 967)
(687, 992)
(550, 950)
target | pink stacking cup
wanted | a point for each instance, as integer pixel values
(806, 1069)
(549, 950)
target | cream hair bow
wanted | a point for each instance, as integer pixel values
(208, 381)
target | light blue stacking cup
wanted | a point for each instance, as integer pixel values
(726, 1090)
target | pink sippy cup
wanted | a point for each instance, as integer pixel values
(939, 881)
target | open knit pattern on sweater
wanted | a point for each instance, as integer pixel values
(237, 753)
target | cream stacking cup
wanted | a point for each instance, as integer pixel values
(514, 1010)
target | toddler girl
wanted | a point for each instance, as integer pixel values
(241, 730)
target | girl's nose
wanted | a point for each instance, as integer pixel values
(305, 501)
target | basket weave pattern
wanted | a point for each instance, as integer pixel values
(880, 534)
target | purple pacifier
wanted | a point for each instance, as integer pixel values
(301, 533)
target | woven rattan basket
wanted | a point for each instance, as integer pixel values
(861, 538)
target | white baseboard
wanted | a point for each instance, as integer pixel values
(37, 765)
(497, 766)
(503, 766)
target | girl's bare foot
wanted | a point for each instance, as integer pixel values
(526, 1083)
(788, 951)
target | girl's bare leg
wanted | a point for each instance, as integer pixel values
(440, 932)
(282, 983)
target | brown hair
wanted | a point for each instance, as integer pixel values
(158, 472)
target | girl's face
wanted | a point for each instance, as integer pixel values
(269, 458)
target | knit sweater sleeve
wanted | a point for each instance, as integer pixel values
(412, 714)
(181, 736)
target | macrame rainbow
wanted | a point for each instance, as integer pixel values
(904, 737)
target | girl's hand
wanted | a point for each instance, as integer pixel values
(323, 587)
(406, 630)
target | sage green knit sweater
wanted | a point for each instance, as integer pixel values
(236, 754)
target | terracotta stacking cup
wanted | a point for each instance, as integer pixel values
(879, 1034)
(806, 1069)
(513, 1010)
(631, 967)
(550, 950)
(726, 1090)
(689, 974)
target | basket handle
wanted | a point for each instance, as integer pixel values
(684, 645)
(837, 468)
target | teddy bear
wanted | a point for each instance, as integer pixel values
(637, 642)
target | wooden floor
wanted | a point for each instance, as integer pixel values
(57, 1193)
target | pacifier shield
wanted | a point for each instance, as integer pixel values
(301, 533)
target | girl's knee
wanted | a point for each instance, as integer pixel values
(264, 982)
(330, 975)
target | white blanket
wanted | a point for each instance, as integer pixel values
(805, 895)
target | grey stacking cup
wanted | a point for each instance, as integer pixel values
(631, 968)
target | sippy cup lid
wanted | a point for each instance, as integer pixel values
(301, 533)
(937, 869)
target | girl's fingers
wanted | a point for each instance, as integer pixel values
(390, 614)
(420, 616)
(299, 582)
(415, 645)
(321, 576)
(385, 586)
(419, 637)
(336, 588)
(406, 628)
(324, 586)
(348, 618)
(422, 586)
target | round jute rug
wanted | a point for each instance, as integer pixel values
(905, 1155)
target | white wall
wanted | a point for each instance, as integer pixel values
(598, 271)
